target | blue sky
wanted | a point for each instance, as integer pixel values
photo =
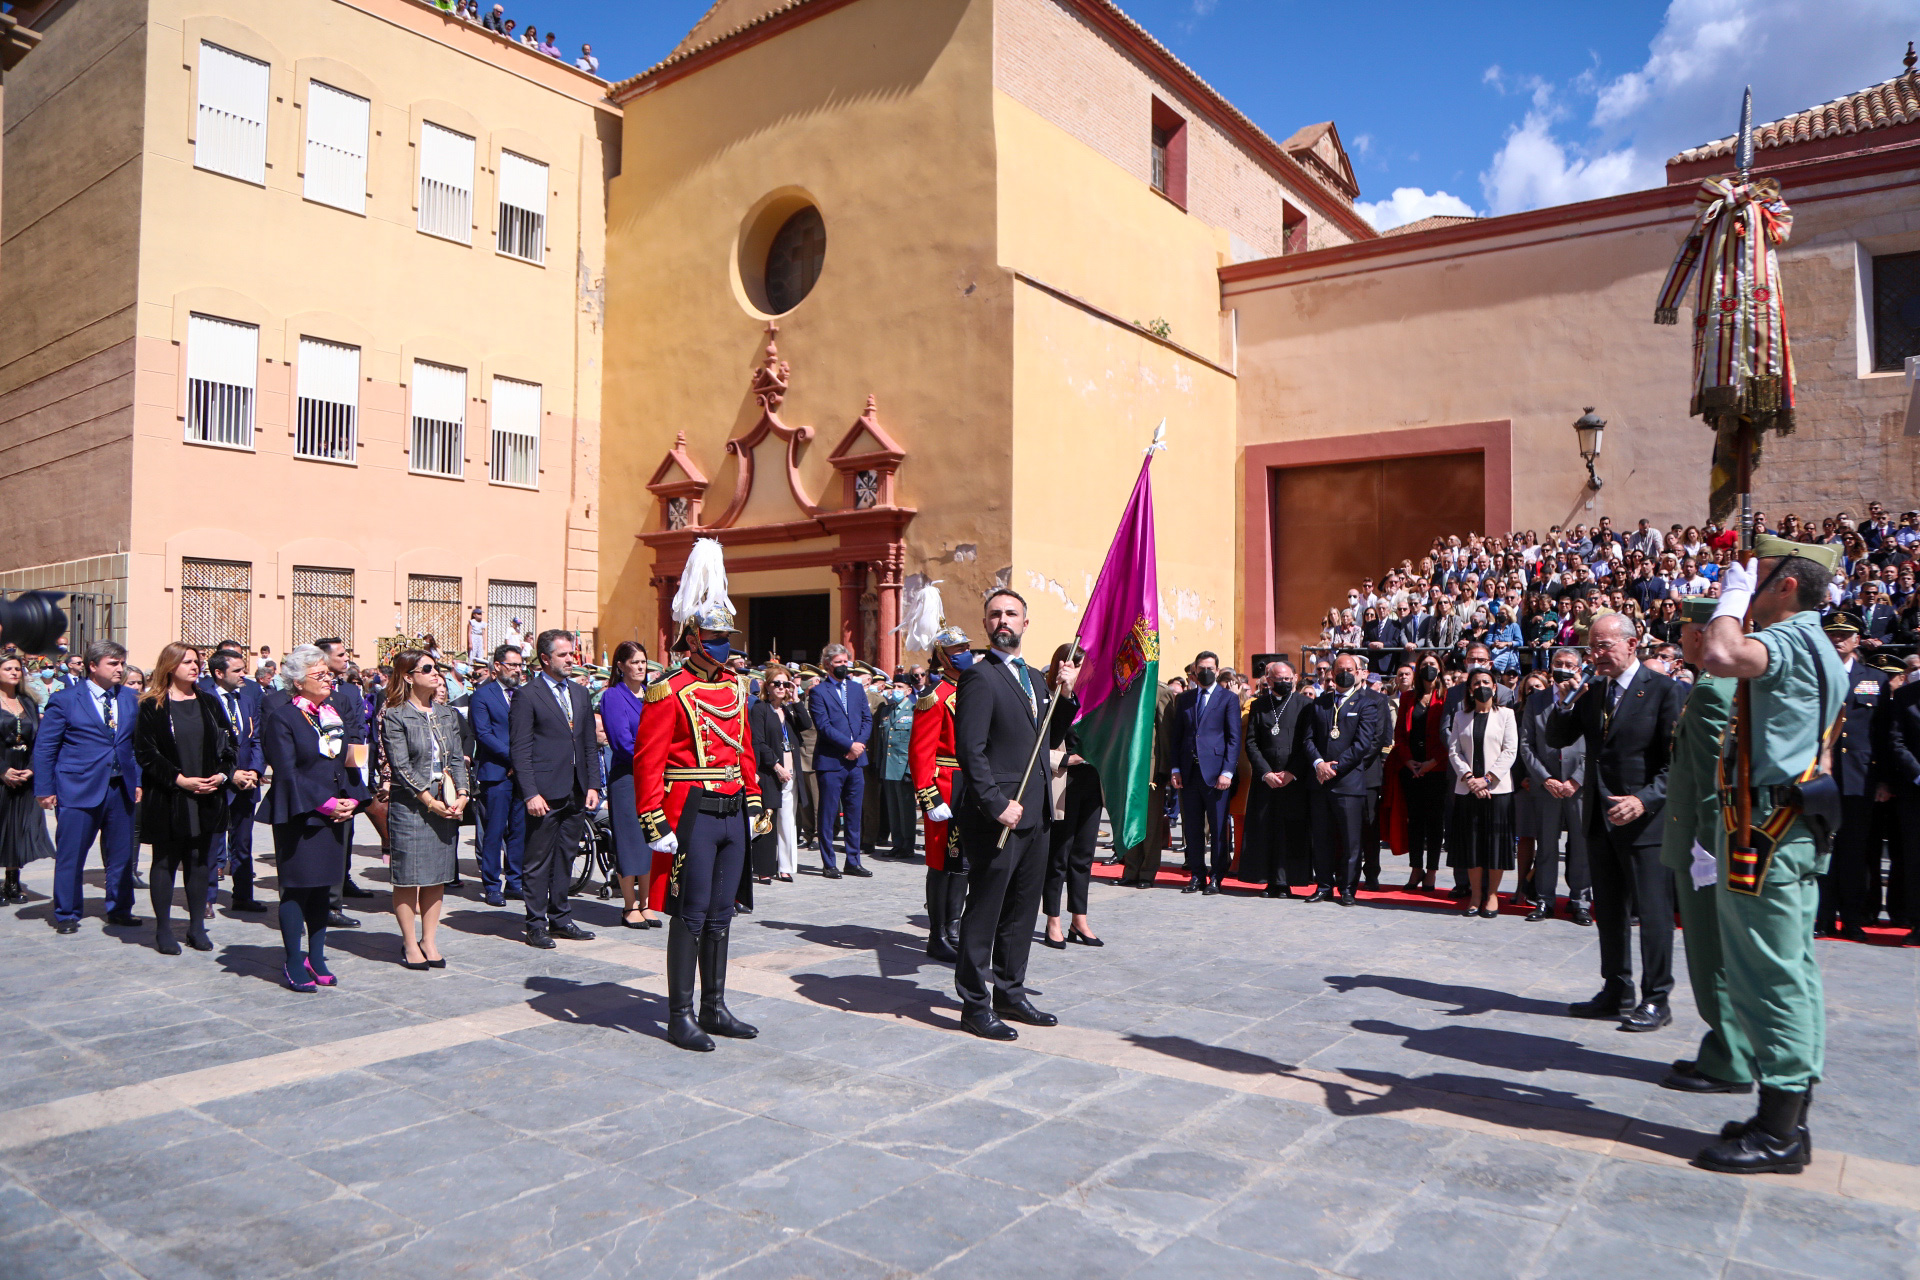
(1485, 107)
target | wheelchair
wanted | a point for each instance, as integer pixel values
(594, 856)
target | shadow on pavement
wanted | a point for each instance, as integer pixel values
(600, 1004)
(1467, 1002)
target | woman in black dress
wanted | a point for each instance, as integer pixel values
(23, 826)
(1076, 825)
(186, 753)
(314, 797)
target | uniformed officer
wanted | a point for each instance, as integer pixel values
(1342, 733)
(1845, 904)
(1769, 892)
(936, 772)
(1692, 835)
(698, 792)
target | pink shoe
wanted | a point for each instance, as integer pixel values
(322, 979)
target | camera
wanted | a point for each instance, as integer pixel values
(33, 622)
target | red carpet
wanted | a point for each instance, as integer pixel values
(1172, 877)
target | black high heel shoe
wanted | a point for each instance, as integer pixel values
(417, 966)
(1058, 944)
(1074, 935)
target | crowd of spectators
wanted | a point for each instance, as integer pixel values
(496, 19)
(1523, 595)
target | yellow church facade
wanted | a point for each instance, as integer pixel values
(903, 287)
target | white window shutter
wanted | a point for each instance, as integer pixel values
(446, 183)
(523, 208)
(337, 147)
(223, 359)
(328, 401)
(515, 427)
(230, 134)
(438, 438)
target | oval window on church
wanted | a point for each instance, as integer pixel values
(794, 259)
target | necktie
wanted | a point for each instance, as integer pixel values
(566, 702)
(107, 710)
(1613, 702)
(233, 711)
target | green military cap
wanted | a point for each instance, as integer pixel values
(1770, 546)
(1841, 624)
(1698, 609)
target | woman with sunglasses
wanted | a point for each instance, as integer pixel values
(311, 804)
(620, 708)
(420, 740)
(778, 720)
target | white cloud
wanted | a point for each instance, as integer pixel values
(1410, 204)
(1795, 54)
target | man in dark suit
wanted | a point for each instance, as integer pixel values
(1342, 734)
(351, 706)
(998, 711)
(1846, 907)
(1376, 776)
(1625, 718)
(842, 721)
(556, 777)
(1554, 802)
(83, 765)
(1206, 751)
(505, 829)
(1877, 618)
(231, 851)
(1277, 798)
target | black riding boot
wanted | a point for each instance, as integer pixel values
(714, 1015)
(10, 891)
(938, 947)
(956, 906)
(1774, 1141)
(682, 958)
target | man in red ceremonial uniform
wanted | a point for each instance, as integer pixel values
(698, 794)
(936, 771)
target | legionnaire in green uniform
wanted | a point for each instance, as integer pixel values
(1690, 843)
(1768, 893)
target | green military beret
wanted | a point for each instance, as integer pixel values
(1698, 609)
(1770, 546)
(1841, 624)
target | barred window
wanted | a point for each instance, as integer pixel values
(216, 602)
(1896, 310)
(505, 602)
(514, 426)
(446, 183)
(329, 395)
(223, 358)
(523, 208)
(322, 604)
(437, 446)
(433, 609)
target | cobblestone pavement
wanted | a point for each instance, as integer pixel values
(1238, 1088)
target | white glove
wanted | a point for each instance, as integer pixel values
(668, 843)
(1705, 869)
(940, 813)
(1736, 590)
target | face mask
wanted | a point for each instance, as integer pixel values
(1205, 676)
(1483, 694)
(961, 660)
(717, 649)
(1345, 679)
(1283, 687)
(842, 671)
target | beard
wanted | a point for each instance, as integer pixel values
(1004, 638)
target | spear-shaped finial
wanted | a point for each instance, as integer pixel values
(1159, 441)
(1743, 154)
(1909, 60)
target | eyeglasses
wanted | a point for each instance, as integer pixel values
(425, 669)
(780, 684)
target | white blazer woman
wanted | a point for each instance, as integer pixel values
(1499, 748)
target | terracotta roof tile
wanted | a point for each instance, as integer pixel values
(1434, 223)
(1892, 102)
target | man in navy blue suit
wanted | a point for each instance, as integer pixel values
(232, 850)
(506, 822)
(1206, 750)
(843, 721)
(1346, 731)
(83, 764)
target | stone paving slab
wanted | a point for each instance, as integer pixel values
(1238, 1088)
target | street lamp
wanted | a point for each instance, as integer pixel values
(1588, 427)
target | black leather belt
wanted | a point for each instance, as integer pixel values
(723, 806)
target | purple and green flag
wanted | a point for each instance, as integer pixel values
(1119, 679)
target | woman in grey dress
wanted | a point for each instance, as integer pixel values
(420, 738)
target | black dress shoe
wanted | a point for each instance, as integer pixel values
(1279, 891)
(1608, 1005)
(1686, 1077)
(1320, 895)
(1193, 885)
(353, 890)
(495, 899)
(862, 872)
(1022, 1010)
(125, 919)
(1208, 888)
(831, 873)
(1346, 898)
(1583, 916)
(987, 1027)
(937, 949)
(1373, 884)
(571, 932)
(1540, 913)
(341, 920)
(538, 938)
(66, 926)
(1647, 1016)
(1774, 1141)
(514, 895)
(246, 904)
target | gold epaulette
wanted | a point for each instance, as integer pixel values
(659, 689)
(926, 701)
